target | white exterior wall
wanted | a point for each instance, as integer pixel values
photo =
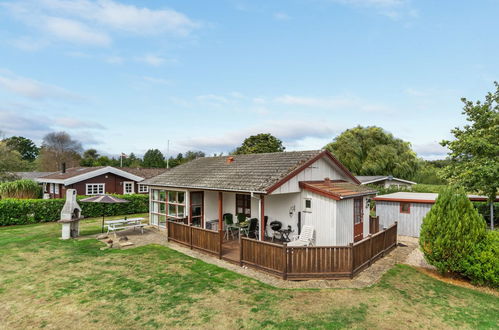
(277, 207)
(322, 218)
(409, 224)
(228, 203)
(210, 205)
(322, 168)
(344, 227)
(365, 218)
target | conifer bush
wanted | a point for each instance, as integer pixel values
(451, 230)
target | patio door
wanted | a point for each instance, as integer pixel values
(358, 215)
(197, 208)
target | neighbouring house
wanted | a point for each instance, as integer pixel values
(408, 209)
(300, 188)
(97, 180)
(384, 181)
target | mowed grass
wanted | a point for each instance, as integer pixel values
(49, 283)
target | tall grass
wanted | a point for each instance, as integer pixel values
(22, 189)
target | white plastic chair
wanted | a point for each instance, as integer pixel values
(305, 238)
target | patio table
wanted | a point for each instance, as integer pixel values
(122, 224)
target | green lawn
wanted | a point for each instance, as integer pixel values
(46, 282)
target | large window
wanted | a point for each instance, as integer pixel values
(167, 205)
(95, 189)
(243, 205)
(128, 187)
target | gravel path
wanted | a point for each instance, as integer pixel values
(407, 252)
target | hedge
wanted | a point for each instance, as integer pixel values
(27, 211)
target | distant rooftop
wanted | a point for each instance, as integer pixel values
(415, 197)
(366, 179)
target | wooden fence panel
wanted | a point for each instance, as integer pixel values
(361, 253)
(206, 240)
(266, 256)
(318, 262)
(373, 225)
(391, 236)
(179, 232)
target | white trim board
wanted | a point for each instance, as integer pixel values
(92, 174)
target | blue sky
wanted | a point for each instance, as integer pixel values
(126, 76)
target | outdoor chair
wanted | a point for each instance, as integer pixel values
(229, 225)
(305, 238)
(241, 217)
(251, 229)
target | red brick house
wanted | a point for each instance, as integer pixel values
(97, 180)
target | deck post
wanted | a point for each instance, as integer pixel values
(351, 260)
(370, 249)
(262, 218)
(240, 251)
(190, 235)
(285, 261)
(220, 221)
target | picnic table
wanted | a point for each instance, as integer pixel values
(123, 224)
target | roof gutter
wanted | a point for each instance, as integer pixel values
(252, 192)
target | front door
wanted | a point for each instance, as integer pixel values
(358, 224)
(197, 209)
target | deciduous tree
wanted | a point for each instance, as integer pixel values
(26, 147)
(58, 148)
(153, 158)
(373, 151)
(260, 143)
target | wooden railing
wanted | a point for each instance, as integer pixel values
(326, 262)
(194, 237)
(373, 225)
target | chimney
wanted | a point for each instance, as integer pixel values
(63, 167)
(327, 181)
(229, 160)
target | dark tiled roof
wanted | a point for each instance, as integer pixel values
(31, 175)
(337, 189)
(71, 172)
(145, 173)
(254, 172)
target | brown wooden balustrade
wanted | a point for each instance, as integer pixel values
(294, 263)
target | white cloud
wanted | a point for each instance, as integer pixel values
(92, 22)
(130, 18)
(69, 122)
(280, 16)
(431, 150)
(114, 59)
(33, 89)
(341, 102)
(393, 9)
(75, 32)
(292, 133)
(213, 99)
(153, 60)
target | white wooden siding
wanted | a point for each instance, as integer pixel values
(409, 224)
(344, 227)
(322, 217)
(277, 207)
(366, 216)
(322, 168)
(229, 203)
(210, 205)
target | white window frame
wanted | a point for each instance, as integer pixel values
(143, 188)
(305, 208)
(92, 191)
(51, 188)
(125, 183)
(56, 189)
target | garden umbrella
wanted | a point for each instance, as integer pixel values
(104, 199)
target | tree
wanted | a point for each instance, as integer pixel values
(58, 148)
(153, 158)
(26, 147)
(90, 157)
(450, 230)
(10, 161)
(373, 151)
(474, 153)
(260, 143)
(429, 173)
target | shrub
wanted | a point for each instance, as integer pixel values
(20, 189)
(482, 265)
(25, 211)
(451, 230)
